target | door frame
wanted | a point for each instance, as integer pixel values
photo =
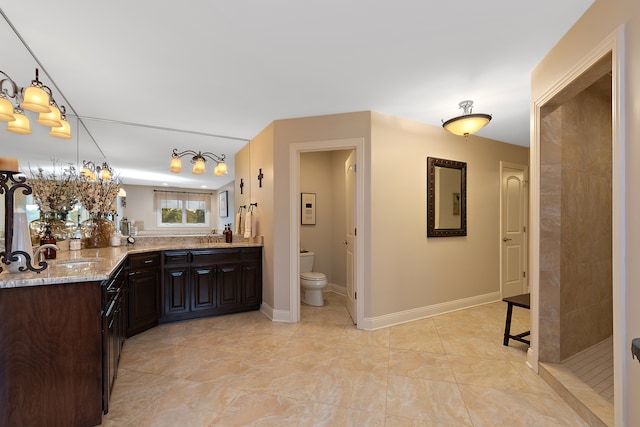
(612, 44)
(525, 208)
(295, 149)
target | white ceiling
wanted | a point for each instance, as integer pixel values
(161, 75)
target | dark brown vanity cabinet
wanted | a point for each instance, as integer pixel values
(144, 292)
(207, 282)
(113, 329)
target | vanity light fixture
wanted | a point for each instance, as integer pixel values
(468, 123)
(37, 98)
(198, 160)
(91, 171)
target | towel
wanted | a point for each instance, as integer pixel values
(249, 226)
(238, 224)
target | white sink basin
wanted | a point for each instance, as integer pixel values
(78, 262)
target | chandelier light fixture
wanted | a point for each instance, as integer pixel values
(468, 123)
(92, 172)
(37, 98)
(198, 159)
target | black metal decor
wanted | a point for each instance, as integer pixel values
(10, 182)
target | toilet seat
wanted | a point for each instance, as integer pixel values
(313, 276)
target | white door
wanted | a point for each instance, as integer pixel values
(514, 230)
(350, 191)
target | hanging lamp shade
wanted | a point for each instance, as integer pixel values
(6, 110)
(63, 131)
(221, 169)
(35, 99)
(105, 175)
(468, 123)
(176, 165)
(198, 166)
(51, 119)
(21, 123)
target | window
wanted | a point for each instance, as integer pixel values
(181, 209)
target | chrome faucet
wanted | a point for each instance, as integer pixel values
(37, 254)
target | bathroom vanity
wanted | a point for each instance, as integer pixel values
(62, 331)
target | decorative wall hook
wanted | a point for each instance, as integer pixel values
(260, 176)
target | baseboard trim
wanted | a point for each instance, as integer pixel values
(275, 315)
(379, 322)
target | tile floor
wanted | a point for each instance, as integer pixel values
(244, 370)
(594, 366)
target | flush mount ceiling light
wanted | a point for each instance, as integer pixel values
(37, 98)
(467, 123)
(198, 160)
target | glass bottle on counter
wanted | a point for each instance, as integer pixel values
(48, 238)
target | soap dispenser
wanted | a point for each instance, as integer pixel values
(48, 238)
(229, 235)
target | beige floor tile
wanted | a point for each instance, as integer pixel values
(361, 358)
(351, 389)
(285, 378)
(244, 370)
(358, 337)
(489, 407)
(499, 374)
(310, 350)
(261, 409)
(187, 404)
(318, 415)
(472, 346)
(227, 370)
(433, 401)
(418, 364)
(133, 391)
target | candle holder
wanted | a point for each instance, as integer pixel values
(10, 181)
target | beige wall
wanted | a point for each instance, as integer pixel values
(261, 158)
(287, 132)
(409, 270)
(601, 20)
(403, 269)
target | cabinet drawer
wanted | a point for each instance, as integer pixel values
(252, 254)
(139, 261)
(215, 256)
(176, 257)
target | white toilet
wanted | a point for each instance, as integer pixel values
(311, 283)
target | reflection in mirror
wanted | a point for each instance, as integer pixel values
(446, 198)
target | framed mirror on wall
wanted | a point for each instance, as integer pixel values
(446, 198)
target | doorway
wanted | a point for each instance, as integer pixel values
(578, 213)
(513, 225)
(296, 149)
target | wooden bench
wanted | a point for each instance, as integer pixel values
(523, 301)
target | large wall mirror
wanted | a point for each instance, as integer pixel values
(446, 198)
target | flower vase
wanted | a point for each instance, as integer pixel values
(96, 232)
(60, 226)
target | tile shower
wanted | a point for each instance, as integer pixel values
(576, 303)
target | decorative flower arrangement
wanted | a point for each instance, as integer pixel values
(54, 191)
(97, 197)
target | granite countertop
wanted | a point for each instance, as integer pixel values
(89, 265)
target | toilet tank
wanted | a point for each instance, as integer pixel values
(306, 262)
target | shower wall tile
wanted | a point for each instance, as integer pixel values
(575, 227)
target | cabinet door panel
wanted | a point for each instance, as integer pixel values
(143, 298)
(229, 277)
(176, 292)
(251, 284)
(204, 288)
